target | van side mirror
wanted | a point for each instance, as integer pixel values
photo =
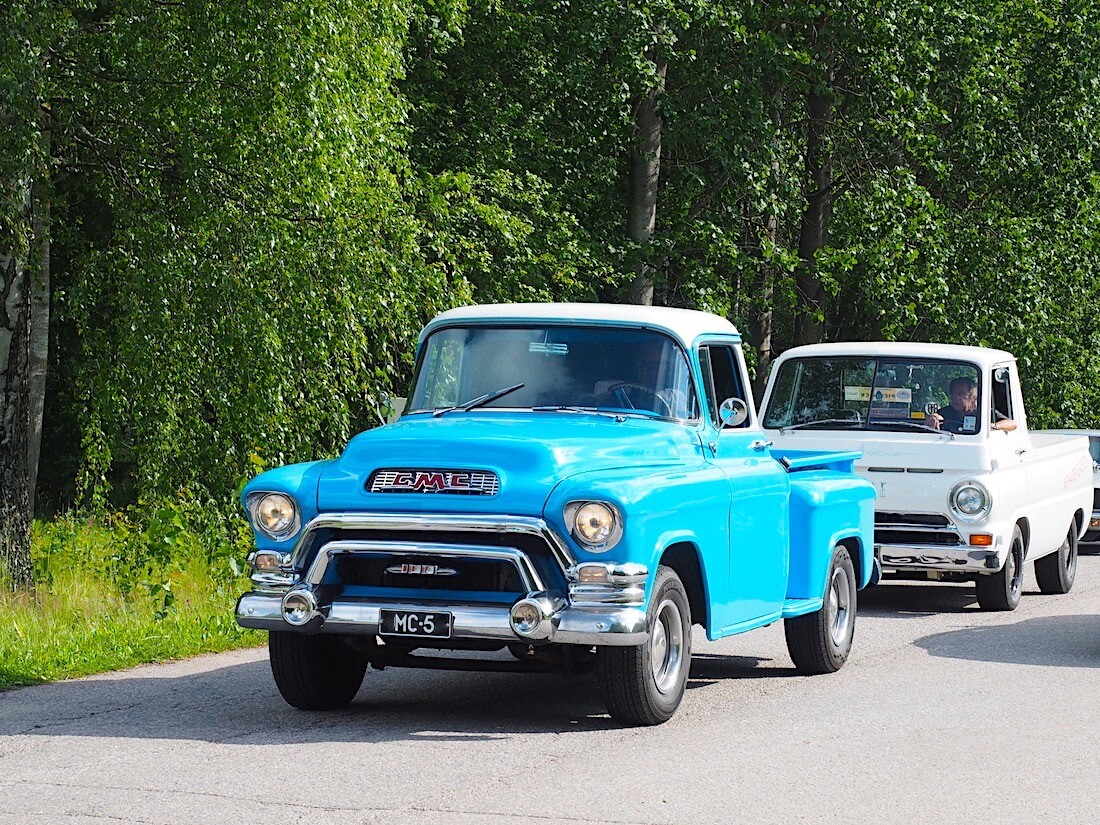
(1001, 375)
(733, 412)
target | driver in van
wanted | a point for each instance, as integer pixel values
(961, 416)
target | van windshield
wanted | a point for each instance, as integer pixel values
(867, 393)
(560, 368)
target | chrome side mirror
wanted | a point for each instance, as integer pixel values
(1001, 375)
(733, 412)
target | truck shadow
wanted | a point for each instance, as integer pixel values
(710, 668)
(1048, 641)
(909, 600)
(239, 704)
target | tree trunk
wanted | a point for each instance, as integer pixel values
(814, 234)
(645, 173)
(15, 344)
(39, 316)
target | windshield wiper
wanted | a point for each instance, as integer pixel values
(480, 400)
(913, 425)
(790, 427)
(573, 409)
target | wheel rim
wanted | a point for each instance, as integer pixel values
(839, 606)
(666, 646)
(1070, 548)
(1016, 572)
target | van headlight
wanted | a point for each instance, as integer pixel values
(970, 500)
(596, 525)
(275, 515)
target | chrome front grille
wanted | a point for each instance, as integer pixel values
(916, 529)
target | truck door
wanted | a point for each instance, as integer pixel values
(759, 491)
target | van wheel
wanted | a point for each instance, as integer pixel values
(643, 685)
(819, 642)
(315, 672)
(1001, 590)
(1056, 572)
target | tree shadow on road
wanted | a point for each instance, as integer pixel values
(1048, 641)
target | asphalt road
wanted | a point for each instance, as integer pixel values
(943, 714)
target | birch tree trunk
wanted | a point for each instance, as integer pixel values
(645, 174)
(39, 315)
(15, 342)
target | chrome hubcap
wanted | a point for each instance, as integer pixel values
(666, 646)
(1014, 572)
(839, 606)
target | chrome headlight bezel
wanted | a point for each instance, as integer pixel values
(963, 486)
(254, 501)
(615, 533)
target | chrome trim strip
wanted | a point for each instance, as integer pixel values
(623, 627)
(916, 528)
(528, 575)
(436, 523)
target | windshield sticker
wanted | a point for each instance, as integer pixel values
(918, 414)
(889, 412)
(548, 349)
(889, 395)
(970, 423)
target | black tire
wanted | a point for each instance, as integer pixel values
(1001, 590)
(1056, 572)
(820, 642)
(643, 685)
(315, 672)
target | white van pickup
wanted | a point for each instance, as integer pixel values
(964, 490)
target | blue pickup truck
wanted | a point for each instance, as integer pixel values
(579, 484)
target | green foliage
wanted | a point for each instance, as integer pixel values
(137, 587)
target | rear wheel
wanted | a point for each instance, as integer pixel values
(819, 642)
(315, 672)
(1001, 590)
(643, 685)
(1056, 572)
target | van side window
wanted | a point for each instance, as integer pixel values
(721, 377)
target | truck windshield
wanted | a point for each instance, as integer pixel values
(868, 393)
(631, 371)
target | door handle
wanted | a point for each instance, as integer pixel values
(760, 445)
(1021, 451)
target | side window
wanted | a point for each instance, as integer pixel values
(721, 377)
(1002, 394)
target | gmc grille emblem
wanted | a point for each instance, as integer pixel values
(457, 482)
(421, 570)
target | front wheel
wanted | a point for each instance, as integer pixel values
(643, 685)
(1056, 572)
(315, 672)
(1001, 590)
(819, 642)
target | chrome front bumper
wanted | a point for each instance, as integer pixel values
(624, 626)
(961, 559)
(604, 603)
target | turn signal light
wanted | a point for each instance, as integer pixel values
(981, 539)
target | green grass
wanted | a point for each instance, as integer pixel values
(116, 594)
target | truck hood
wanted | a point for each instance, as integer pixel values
(896, 451)
(528, 452)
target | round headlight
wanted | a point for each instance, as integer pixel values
(970, 499)
(594, 524)
(276, 515)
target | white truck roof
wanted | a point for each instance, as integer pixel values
(981, 356)
(684, 324)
